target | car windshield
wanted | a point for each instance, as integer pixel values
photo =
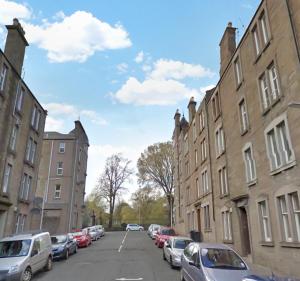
(170, 232)
(221, 259)
(18, 248)
(181, 243)
(58, 239)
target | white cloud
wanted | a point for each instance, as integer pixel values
(170, 69)
(206, 88)
(140, 57)
(76, 37)
(59, 114)
(122, 67)
(10, 10)
(153, 92)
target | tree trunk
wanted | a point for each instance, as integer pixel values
(170, 200)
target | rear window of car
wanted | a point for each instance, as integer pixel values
(222, 259)
(58, 239)
(181, 243)
(168, 232)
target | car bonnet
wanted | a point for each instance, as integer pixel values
(226, 274)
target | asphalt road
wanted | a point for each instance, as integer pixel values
(108, 259)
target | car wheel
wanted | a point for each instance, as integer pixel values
(67, 254)
(164, 256)
(181, 275)
(48, 265)
(27, 274)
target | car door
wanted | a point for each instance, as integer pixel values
(186, 258)
(35, 255)
(168, 249)
(196, 271)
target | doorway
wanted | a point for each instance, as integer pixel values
(245, 237)
(199, 219)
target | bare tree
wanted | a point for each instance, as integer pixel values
(156, 168)
(111, 182)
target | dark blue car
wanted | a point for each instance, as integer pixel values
(63, 246)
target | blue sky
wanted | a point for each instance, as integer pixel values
(124, 67)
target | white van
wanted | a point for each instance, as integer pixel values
(22, 255)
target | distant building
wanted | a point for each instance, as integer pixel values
(22, 121)
(237, 157)
(62, 177)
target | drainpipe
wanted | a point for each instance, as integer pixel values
(47, 187)
(293, 28)
(73, 187)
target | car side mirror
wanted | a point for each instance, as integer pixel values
(192, 263)
(168, 246)
(34, 252)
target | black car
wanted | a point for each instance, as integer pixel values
(63, 246)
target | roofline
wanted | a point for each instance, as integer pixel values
(20, 77)
(79, 122)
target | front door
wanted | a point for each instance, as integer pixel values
(199, 219)
(245, 237)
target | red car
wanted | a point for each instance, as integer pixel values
(82, 239)
(163, 235)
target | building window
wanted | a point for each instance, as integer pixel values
(274, 82)
(203, 150)
(20, 223)
(25, 187)
(249, 164)
(3, 74)
(279, 146)
(60, 169)
(194, 130)
(238, 71)
(62, 147)
(295, 208)
(35, 118)
(256, 40)
(188, 195)
(6, 178)
(31, 150)
(226, 219)
(223, 181)
(187, 168)
(198, 187)
(206, 217)
(216, 105)
(220, 141)
(201, 121)
(243, 116)
(13, 137)
(284, 219)
(57, 192)
(264, 221)
(265, 93)
(196, 157)
(19, 99)
(204, 179)
(264, 28)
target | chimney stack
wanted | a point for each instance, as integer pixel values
(227, 46)
(192, 109)
(177, 122)
(15, 45)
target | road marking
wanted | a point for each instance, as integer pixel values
(122, 243)
(127, 279)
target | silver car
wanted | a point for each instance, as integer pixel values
(153, 229)
(23, 255)
(212, 262)
(173, 250)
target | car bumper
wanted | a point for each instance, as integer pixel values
(176, 262)
(10, 277)
(58, 254)
(82, 243)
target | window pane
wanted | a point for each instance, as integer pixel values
(284, 143)
(285, 219)
(274, 82)
(273, 150)
(265, 92)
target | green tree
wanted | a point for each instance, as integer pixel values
(156, 169)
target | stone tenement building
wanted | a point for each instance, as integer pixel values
(22, 121)
(62, 177)
(237, 157)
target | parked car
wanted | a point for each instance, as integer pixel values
(173, 250)
(134, 227)
(206, 262)
(93, 232)
(101, 229)
(22, 255)
(153, 230)
(63, 246)
(82, 239)
(163, 235)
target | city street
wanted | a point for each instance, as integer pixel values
(109, 260)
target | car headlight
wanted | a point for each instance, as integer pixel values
(13, 269)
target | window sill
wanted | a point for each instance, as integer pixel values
(219, 155)
(258, 56)
(203, 161)
(12, 152)
(244, 132)
(266, 243)
(252, 182)
(283, 168)
(265, 47)
(29, 163)
(25, 201)
(217, 117)
(19, 113)
(238, 86)
(207, 230)
(228, 241)
(289, 244)
(224, 195)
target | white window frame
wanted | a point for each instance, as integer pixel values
(226, 222)
(33, 151)
(203, 150)
(274, 82)
(201, 120)
(284, 215)
(6, 178)
(26, 185)
(294, 202)
(250, 165)
(238, 71)
(33, 115)
(60, 169)
(265, 91)
(204, 181)
(196, 157)
(57, 192)
(206, 214)
(256, 40)
(216, 105)
(243, 115)
(264, 218)
(13, 137)
(62, 147)
(219, 141)
(198, 186)
(223, 181)
(3, 75)
(19, 99)
(264, 28)
(276, 143)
